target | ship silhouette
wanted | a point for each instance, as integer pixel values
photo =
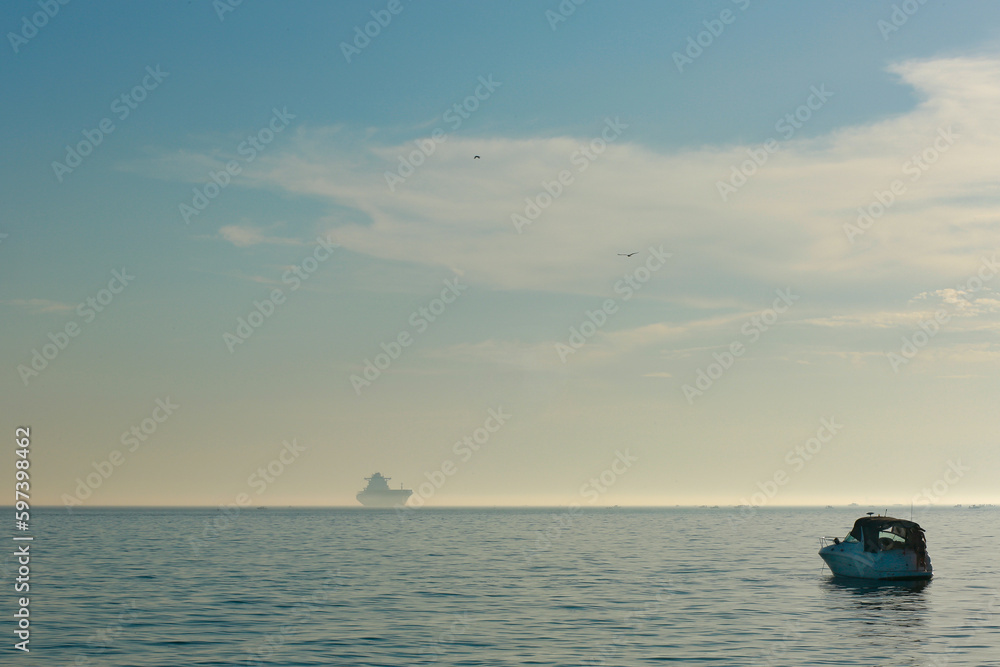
(378, 493)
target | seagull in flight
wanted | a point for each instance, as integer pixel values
(475, 157)
(628, 254)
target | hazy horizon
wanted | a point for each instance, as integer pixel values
(877, 509)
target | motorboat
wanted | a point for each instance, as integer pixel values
(879, 547)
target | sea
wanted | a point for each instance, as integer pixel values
(552, 586)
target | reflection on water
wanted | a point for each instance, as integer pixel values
(888, 616)
(889, 589)
(906, 600)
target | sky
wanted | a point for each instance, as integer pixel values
(248, 255)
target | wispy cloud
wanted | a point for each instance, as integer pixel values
(785, 226)
(41, 305)
(263, 280)
(243, 236)
(963, 302)
(967, 310)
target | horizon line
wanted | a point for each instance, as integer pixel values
(592, 507)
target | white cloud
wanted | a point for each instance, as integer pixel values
(964, 303)
(243, 236)
(786, 226)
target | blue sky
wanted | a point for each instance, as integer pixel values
(669, 139)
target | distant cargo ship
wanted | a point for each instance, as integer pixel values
(378, 493)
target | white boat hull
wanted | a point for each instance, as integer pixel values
(393, 498)
(850, 560)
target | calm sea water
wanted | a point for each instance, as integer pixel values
(495, 587)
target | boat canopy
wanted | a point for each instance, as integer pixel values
(884, 533)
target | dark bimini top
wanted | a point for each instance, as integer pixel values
(867, 529)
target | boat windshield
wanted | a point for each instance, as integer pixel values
(889, 539)
(850, 538)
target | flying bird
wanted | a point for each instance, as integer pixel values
(476, 157)
(629, 254)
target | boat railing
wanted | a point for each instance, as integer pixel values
(827, 541)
